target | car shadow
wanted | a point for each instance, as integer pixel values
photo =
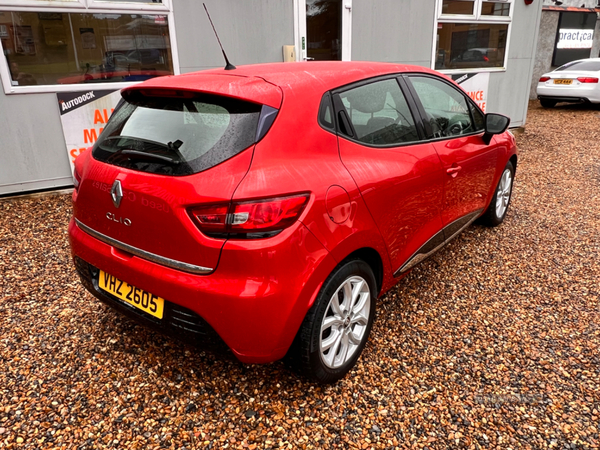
(583, 106)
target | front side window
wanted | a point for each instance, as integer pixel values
(472, 34)
(379, 113)
(54, 48)
(446, 108)
(478, 118)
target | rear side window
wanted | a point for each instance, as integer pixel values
(379, 113)
(326, 113)
(177, 136)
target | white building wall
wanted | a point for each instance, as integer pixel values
(32, 146)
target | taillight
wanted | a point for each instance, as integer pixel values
(76, 178)
(211, 218)
(544, 79)
(485, 58)
(587, 80)
(262, 218)
(266, 215)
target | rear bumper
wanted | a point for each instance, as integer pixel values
(177, 321)
(254, 301)
(564, 99)
(581, 93)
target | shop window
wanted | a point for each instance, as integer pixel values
(472, 34)
(67, 45)
(82, 3)
(123, 3)
(55, 48)
(495, 9)
(465, 7)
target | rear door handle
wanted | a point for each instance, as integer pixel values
(453, 171)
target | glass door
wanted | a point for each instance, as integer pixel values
(323, 30)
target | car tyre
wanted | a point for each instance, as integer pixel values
(496, 211)
(337, 326)
(546, 103)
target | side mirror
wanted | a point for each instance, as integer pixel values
(494, 124)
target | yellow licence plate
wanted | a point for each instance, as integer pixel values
(562, 81)
(143, 300)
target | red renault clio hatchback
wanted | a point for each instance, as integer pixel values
(268, 207)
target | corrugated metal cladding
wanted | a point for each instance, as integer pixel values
(33, 155)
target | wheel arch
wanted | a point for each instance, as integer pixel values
(513, 160)
(373, 259)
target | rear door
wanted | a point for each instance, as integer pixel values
(399, 177)
(456, 127)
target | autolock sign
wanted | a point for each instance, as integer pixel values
(476, 85)
(83, 116)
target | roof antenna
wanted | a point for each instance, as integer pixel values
(228, 65)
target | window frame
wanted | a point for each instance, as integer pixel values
(476, 18)
(80, 7)
(53, 5)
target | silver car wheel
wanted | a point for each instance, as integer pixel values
(503, 193)
(345, 322)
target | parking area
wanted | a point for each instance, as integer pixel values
(491, 343)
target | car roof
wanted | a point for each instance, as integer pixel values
(581, 60)
(329, 74)
(267, 83)
(571, 63)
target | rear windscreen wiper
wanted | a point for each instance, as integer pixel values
(137, 153)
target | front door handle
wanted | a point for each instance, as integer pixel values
(453, 171)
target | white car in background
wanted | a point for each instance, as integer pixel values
(576, 81)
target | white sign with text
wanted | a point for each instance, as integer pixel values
(84, 116)
(568, 38)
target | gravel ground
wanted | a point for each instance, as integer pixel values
(493, 343)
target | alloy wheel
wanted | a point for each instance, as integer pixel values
(345, 322)
(503, 193)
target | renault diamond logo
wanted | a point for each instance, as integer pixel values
(116, 192)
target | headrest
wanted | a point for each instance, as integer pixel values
(366, 99)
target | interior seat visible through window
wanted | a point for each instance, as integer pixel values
(379, 113)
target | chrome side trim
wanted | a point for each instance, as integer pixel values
(470, 219)
(423, 253)
(418, 257)
(173, 264)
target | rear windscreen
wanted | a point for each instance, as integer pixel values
(177, 136)
(592, 66)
